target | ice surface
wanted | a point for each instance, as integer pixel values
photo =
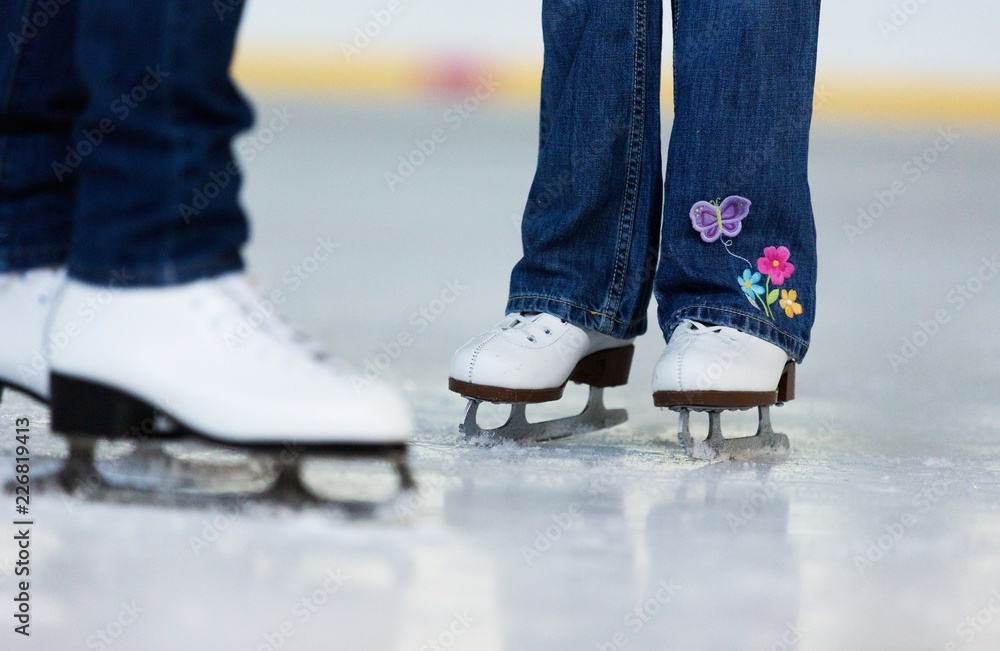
(881, 531)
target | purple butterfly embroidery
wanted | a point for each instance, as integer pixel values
(714, 220)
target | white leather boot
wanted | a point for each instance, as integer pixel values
(214, 358)
(529, 358)
(715, 369)
(716, 366)
(26, 300)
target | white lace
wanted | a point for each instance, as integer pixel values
(695, 329)
(531, 325)
(248, 295)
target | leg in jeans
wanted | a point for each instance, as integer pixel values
(40, 98)
(158, 196)
(590, 231)
(744, 76)
(186, 347)
(591, 224)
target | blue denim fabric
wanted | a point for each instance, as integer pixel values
(743, 91)
(116, 120)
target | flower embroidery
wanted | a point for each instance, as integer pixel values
(775, 264)
(748, 282)
(788, 304)
(724, 217)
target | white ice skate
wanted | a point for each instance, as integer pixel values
(529, 358)
(210, 360)
(716, 369)
(26, 299)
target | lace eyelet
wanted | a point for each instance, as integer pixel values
(547, 331)
(532, 339)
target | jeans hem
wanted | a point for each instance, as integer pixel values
(578, 315)
(742, 321)
(26, 259)
(162, 275)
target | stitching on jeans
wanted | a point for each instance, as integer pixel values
(201, 268)
(602, 315)
(168, 269)
(626, 221)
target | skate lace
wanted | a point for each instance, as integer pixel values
(698, 329)
(247, 294)
(532, 326)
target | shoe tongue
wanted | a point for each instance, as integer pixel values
(518, 318)
(525, 319)
(698, 326)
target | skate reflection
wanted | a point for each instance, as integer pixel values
(588, 560)
(722, 536)
(557, 548)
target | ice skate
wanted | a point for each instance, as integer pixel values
(529, 358)
(714, 369)
(25, 302)
(211, 362)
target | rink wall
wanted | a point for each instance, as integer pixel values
(885, 59)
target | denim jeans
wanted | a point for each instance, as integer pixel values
(116, 119)
(602, 230)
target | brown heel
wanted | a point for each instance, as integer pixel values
(786, 385)
(605, 368)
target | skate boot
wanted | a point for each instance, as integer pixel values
(716, 369)
(25, 302)
(212, 361)
(529, 358)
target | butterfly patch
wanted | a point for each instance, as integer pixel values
(714, 219)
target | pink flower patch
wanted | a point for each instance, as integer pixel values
(775, 264)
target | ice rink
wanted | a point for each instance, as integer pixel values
(880, 532)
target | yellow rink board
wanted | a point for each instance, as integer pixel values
(328, 72)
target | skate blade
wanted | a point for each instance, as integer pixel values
(151, 473)
(766, 444)
(190, 473)
(595, 416)
(358, 483)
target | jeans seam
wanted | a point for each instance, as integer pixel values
(170, 270)
(38, 256)
(626, 223)
(157, 272)
(601, 314)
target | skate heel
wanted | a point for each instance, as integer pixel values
(605, 368)
(786, 385)
(84, 408)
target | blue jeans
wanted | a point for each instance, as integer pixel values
(601, 229)
(116, 119)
